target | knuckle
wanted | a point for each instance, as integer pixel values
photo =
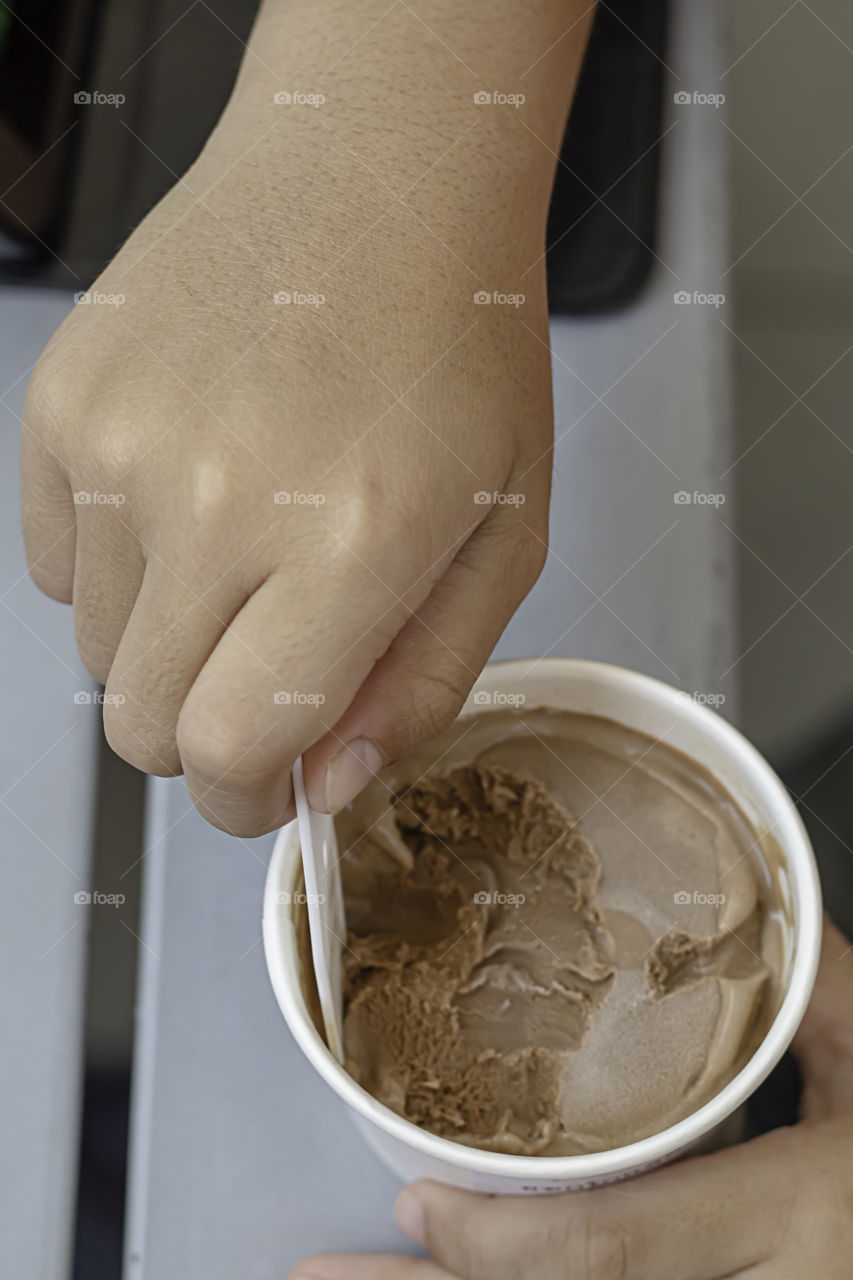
(380, 516)
(217, 754)
(430, 699)
(80, 410)
(357, 526)
(523, 556)
(95, 657)
(533, 553)
(522, 551)
(53, 580)
(65, 380)
(146, 746)
(45, 400)
(114, 450)
(444, 693)
(96, 650)
(245, 818)
(213, 489)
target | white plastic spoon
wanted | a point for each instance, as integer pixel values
(325, 902)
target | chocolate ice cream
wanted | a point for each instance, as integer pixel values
(562, 935)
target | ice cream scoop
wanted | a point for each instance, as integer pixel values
(325, 904)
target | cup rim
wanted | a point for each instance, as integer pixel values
(283, 960)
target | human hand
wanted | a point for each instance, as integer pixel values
(158, 430)
(775, 1208)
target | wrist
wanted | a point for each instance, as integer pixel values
(459, 113)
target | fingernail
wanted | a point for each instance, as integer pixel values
(350, 772)
(409, 1216)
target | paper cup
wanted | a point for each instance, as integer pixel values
(661, 712)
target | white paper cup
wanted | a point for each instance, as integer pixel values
(661, 712)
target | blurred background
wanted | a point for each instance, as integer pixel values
(789, 313)
(789, 111)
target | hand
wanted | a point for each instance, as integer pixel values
(349, 619)
(776, 1208)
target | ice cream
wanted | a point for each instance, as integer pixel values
(561, 935)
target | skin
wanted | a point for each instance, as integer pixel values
(777, 1208)
(373, 605)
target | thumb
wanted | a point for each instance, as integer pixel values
(823, 1045)
(419, 685)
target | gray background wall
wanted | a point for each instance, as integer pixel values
(790, 108)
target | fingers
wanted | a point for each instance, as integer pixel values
(367, 1266)
(419, 685)
(108, 573)
(48, 518)
(698, 1220)
(824, 1043)
(172, 629)
(273, 685)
